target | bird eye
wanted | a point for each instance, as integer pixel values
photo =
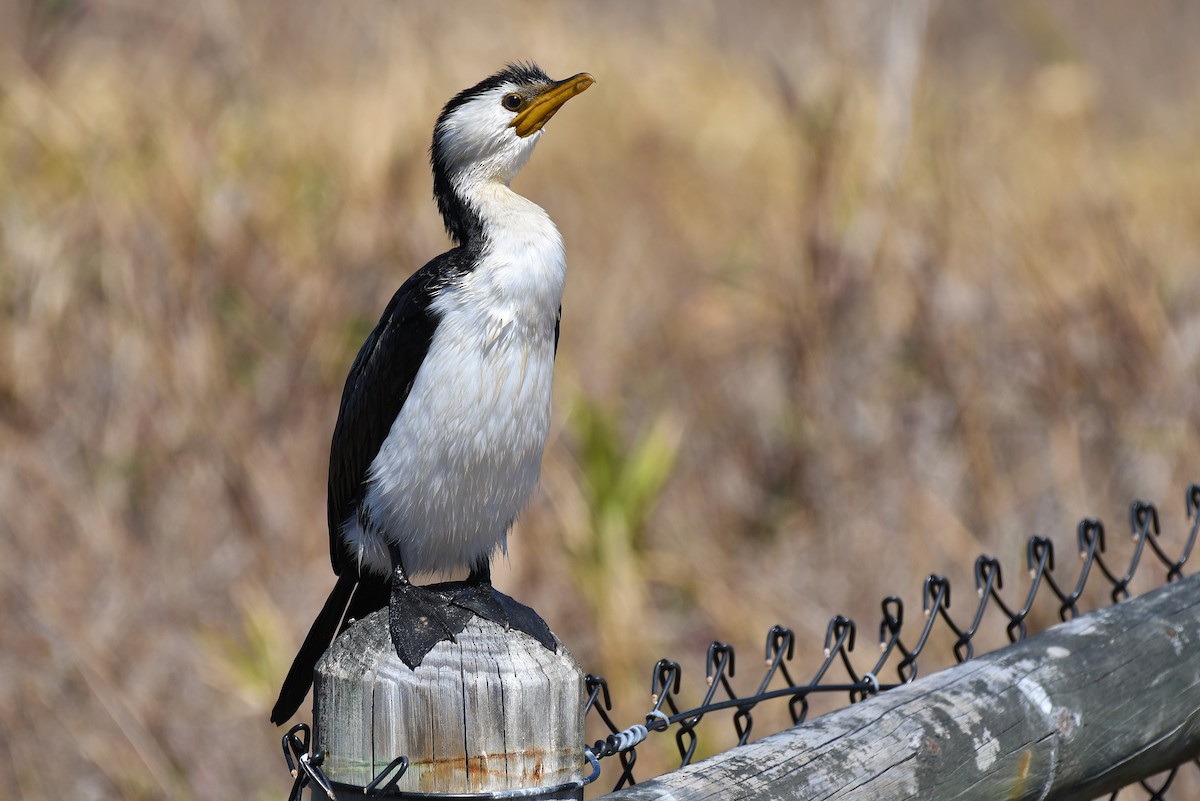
(512, 101)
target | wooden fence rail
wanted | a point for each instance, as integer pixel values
(1072, 713)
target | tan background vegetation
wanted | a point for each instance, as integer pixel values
(857, 292)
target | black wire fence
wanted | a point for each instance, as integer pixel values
(838, 674)
(902, 655)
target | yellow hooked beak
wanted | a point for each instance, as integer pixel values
(542, 107)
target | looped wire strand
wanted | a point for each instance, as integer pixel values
(666, 677)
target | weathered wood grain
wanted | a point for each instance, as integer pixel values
(493, 711)
(1070, 714)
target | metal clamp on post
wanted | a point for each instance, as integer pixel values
(305, 768)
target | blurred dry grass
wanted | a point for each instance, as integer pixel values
(854, 296)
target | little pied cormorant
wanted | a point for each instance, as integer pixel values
(444, 416)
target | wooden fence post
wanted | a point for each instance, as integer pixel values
(494, 711)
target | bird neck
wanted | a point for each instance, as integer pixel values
(463, 193)
(520, 263)
(462, 221)
(481, 210)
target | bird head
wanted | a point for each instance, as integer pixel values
(487, 132)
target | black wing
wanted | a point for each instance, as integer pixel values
(377, 387)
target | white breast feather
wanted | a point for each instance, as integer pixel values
(463, 456)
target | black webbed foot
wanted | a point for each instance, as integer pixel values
(479, 596)
(523, 618)
(420, 617)
(485, 601)
(480, 599)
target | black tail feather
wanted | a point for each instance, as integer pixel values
(353, 597)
